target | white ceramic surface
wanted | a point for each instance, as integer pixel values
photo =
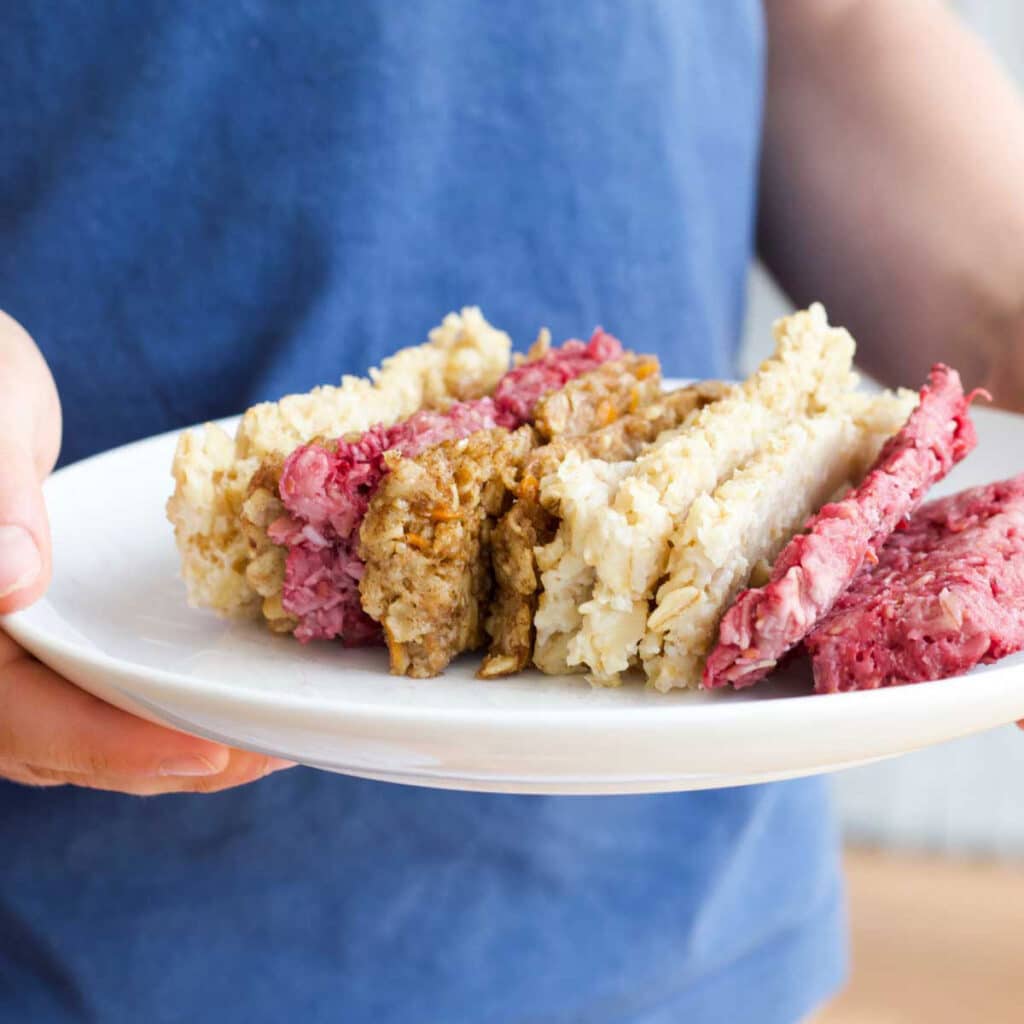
(115, 622)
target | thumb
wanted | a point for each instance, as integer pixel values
(24, 532)
(29, 439)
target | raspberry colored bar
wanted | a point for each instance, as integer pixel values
(947, 594)
(816, 566)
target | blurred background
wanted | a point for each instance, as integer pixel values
(935, 840)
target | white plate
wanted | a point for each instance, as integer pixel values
(115, 622)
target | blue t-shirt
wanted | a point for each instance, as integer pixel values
(206, 204)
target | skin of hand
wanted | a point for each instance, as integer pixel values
(51, 732)
(890, 186)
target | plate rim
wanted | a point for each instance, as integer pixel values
(35, 638)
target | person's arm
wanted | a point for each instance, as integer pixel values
(51, 732)
(892, 186)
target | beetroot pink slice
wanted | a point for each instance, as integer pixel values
(816, 567)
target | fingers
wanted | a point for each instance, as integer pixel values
(29, 441)
(51, 732)
(50, 724)
(243, 768)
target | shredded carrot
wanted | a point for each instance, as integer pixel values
(645, 370)
(634, 399)
(414, 540)
(608, 413)
(440, 514)
(529, 487)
